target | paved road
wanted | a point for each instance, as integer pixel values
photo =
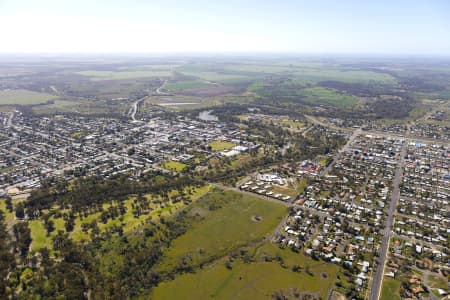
(134, 108)
(158, 90)
(10, 118)
(305, 132)
(344, 149)
(406, 136)
(317, 121)
(378, 277)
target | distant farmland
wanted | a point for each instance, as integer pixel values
(24, 97)
(120, 75)
(184, 85)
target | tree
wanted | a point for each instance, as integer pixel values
(61, 241)
(22, 234)
(8, 204)
(49, 226)
(69, 224)
(7, 261)
(20, 212)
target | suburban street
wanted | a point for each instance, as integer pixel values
(384, 246)
(344, 149)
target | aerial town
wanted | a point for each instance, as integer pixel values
(241, 179)
(378, 206)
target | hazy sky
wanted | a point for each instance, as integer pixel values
(295, 26)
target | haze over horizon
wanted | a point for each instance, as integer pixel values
(179, 26)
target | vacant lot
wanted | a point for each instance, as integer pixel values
(24, 97)
(220, 222)
(221, 145)
(390, 289)
(255, 280)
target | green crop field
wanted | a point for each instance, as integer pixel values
(305, 72)
(216, 222)
(260, 68)
(328, 96)
(186, 85)
(323, 74)
(218, 77)
(221, 145)
(255, 280)
(24, 97)
(390, 289)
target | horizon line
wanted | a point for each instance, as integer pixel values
(225, 53)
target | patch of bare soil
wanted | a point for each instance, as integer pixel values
(198, 211)
(337, 296)
(257, 218)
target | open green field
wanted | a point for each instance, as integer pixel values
(186, 85)
(221, 145)
(245, 281)
(390, 289)
(217, 222)
(324, 74)
(293, 124)
(38, 235)
(79, 106)
(328, 96)
(260, 68)
(305, 72)
(184, 102)
(218, 77)
(24, 97)
(96, 75)
(174, 166)
(59, 106)
(292, 92)
(257, 279)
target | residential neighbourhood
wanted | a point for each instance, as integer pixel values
(33, 148)
(343, 207)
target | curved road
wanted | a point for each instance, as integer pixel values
(134, 108)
